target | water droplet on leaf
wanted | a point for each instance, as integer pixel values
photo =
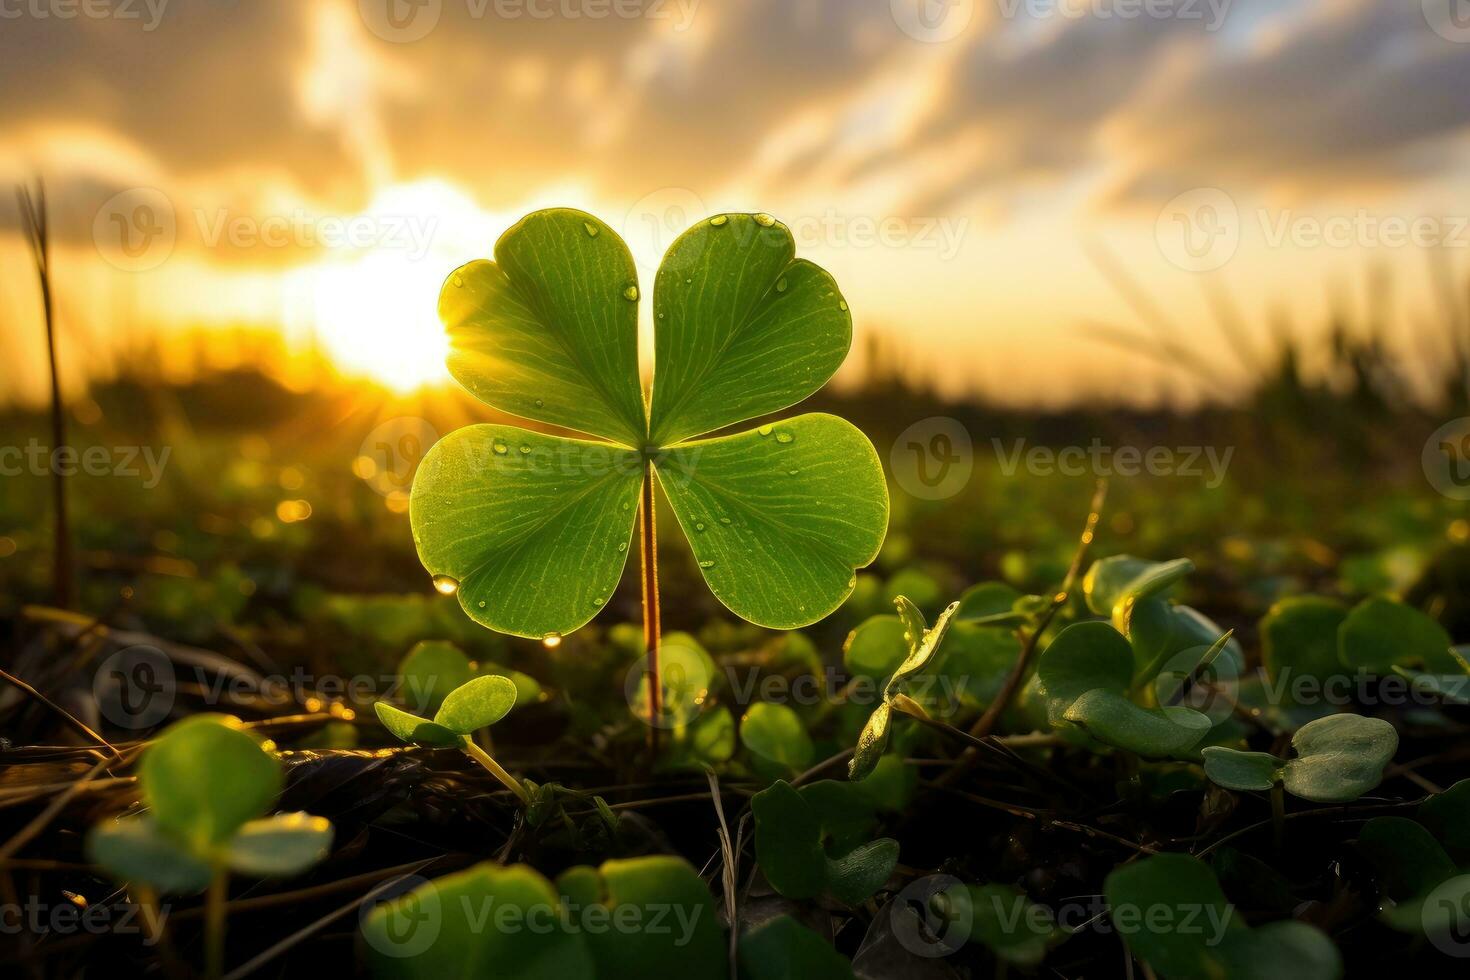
(707, 563)
(719, 220)
(592, 229)
(525, 448)
(764, 430)
(699, 525)
(781, 285)
(764, 220)
(458, 281)
(842, 305)
(631, 294)
(501, 448)
(551, 640)
(446, 584)
(785, 437)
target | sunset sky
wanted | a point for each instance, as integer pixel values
(958, 165)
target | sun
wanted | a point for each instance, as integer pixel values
(376, 317)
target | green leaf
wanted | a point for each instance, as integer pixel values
(974, 665)
(476, 704)
(854, 877)
(686, 673)
(487, 922)
(1112, 585)
(1150, 902)
(788, 512)
(1238, 770)
(1447, 816)
(203, 778)
(547, 331)
(1083, 657)
(846, 812)
(533, 528)
(871, 744)
(989, 601)
(709, 739)
(875, 648)
(1380, 633)
(1287, 950)
(783, 949)
(429, 672)
(1299, 638)
(136, 849)
(1016, 929)
(1153, 732)
(788, 842)
(1339, 757)
(674, 929)
(1408, 859)
(923, 643)
(775, 732)
(741, 329)
(285, 844)
(412, 728)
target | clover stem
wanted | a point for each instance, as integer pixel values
(496, 769)
(648, 552)
(1278, 814)
(214, 923)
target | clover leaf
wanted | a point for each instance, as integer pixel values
(533, 529)
(1380, 633)
(922, 641)
(475, 704)
(1339, 758)
(208, 784)
(1084, 677)
(1172, 914)
(804, 846)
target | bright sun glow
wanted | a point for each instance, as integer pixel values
(374, 309)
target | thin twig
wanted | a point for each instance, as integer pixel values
(72, 720)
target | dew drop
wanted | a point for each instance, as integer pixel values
(551, 641)
(726, 520)
(719, 220)
(501, 448)
(446, 584)
(458, 280)
(785, 438)
(764, 430)
(592, 229)
(842, 305)
(792, 472)
(598, 601)
(660, 316)
(688, 281)
(481, 603)
(707, 563)
(852, 582)
(631, 294)
(699, 525)
(540, 403)
(622, 546)
(764, 220)
(525, 448)
(781, 285)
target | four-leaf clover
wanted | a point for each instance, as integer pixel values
(535, 528)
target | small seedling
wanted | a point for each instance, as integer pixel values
(207, 784)
(532, 531)
(790, 827)
(923, 642)
(475, 704)
(575, 928)
(1171, 913)
(1338, 758)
